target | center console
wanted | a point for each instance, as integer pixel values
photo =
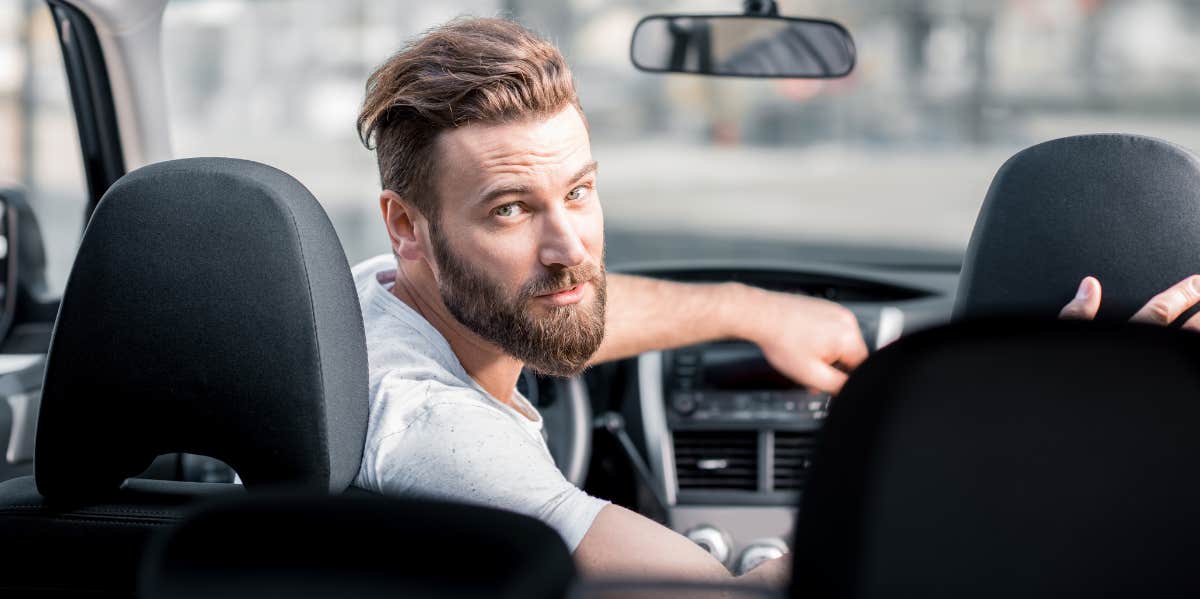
(729, 440)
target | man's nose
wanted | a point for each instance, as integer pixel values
(561, 244)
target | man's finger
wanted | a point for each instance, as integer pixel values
(1193, 323)
(1086, 302)
(822, 377)
(855, 352)
(1165, 307)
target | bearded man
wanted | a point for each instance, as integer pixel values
(491, 204)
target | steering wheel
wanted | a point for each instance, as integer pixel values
(566, 420)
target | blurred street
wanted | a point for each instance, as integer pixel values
(899, 154)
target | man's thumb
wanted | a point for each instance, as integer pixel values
(1086, 302)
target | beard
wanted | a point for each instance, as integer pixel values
(558, 343)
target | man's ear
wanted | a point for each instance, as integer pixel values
(402, 219)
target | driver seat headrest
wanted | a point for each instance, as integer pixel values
(1009, 458)
(288, 544)
(1123, 208)
(210, 310)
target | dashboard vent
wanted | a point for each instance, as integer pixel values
(793, 458)
(716, 460)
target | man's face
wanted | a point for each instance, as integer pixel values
(519, 240)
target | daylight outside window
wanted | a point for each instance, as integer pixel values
(899, 154)
(39, 147)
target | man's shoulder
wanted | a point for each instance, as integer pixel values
(411, 399)
(421, 427)
(419, 386)
(425, 387)
(440, 406)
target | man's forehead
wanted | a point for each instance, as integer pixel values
(479, 154)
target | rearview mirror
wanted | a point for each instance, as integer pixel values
(742, 46)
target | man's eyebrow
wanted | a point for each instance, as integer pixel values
(499, 192)
(503, 191)
(585, 171)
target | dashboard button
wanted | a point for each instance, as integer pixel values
(684, 404)
(712, 539)
(687, 359)
(757, 553)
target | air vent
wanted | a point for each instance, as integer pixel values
(793, 458)
(716, 460)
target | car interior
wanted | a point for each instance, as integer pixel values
(187, 418)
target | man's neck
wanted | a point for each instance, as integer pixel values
(494, 370)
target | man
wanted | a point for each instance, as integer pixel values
(491, 204)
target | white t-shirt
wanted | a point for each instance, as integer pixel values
(435, 432)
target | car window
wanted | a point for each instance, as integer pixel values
(39, 146)
(898, 154)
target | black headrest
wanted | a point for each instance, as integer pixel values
(210, 310)
(1010, 459)
(274, 545)
(1124, 208)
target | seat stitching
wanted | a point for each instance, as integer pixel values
(94, 511)
(116, 522)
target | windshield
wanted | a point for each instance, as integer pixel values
(899, 154)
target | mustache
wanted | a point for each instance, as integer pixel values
(565, 278)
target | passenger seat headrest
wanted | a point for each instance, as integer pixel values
(1124, 208)
(210, 310)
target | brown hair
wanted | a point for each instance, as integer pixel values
(466, 71)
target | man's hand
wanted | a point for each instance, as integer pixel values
(812, 341)
(1162, 309)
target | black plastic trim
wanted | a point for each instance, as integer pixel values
(738, 498)
(841, 284)
(91, 97)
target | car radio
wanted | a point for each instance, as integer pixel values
(729, 443)
(719, 385)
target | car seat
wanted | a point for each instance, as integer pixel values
(305, 545)
(1124, 208)
(210, 310)
(1002, 458)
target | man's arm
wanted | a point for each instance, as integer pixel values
(623, 544)
(810, 340)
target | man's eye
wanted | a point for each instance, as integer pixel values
(507, 210)
(577, 193)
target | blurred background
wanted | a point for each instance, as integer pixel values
(897, 157)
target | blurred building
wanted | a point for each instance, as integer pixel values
(899, 153)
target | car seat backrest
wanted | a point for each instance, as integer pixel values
(1124, 208)
(1000, 458)
(210, 310)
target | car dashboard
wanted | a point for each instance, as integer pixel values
(726, 438)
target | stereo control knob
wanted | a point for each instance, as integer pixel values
(684, 404)
(712, 539)
(757, 553)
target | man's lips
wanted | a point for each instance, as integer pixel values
(570, 295)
